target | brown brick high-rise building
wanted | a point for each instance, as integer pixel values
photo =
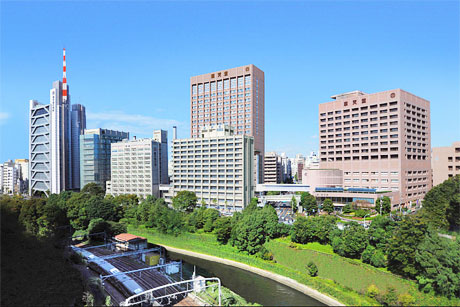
(234, 97)
(380, 141)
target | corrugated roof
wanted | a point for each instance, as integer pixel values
(128, 237)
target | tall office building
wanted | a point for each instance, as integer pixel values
(380, 141)
(445, 162)
(217, 166)
(95, 153)
(234, 97)
(161, 136)
(50, 141)
(272, 168)
(135, 168)
(77, 128)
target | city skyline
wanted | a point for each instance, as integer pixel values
(140, 87)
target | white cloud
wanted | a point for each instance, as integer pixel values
(135, 124)
(4, 117)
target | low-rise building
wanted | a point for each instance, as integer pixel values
(217, 166)
(445, 162)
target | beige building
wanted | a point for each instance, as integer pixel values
(380, 141)
(272, 168)
(322, 178)
(445, 162)
(217, 165)
(234, 97)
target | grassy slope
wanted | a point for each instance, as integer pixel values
(342, 278)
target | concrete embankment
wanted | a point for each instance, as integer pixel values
(276, 277)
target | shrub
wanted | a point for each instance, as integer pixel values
(372, 291)
(264, 254)
(390, 297)
(312, 269)
(361, 213)
(406, 299)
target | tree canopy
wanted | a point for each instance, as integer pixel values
(184, 201)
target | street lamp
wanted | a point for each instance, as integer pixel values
(364, 222)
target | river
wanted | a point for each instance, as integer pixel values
(254, 288)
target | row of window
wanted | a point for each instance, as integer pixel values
(221, 84)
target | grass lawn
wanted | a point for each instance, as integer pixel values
(342, 278)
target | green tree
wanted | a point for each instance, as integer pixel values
(328, 206)
(98, 207)
(380, 232)
(441, 205)
(294, 204)
(184, 201)
(367, 254)
(93, 189)
(352, 241)
(210, 216)
(438, 262)
(308, 202)
(403, 245)
(223, 229)
(383, 204)
(378, 259)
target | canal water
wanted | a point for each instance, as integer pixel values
(254, 288)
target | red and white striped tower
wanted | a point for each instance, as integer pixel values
(64, 80)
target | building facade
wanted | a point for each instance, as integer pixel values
(50, 141)
(272, 168)
(445, 162)
(217, 165)
(77, 128)
(39, 147)
(234, 97)
(10, 178)
(95, 153)
(135, 168)
(23, 167)
(161, 136)
(380, 141)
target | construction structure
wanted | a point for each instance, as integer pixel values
(140, 275)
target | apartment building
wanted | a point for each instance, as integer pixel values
(10, 178)
(217, 165)
(135, 168)
(445, 162)
(95, 153)
(380, 141)
(233, 97)
(272, 168)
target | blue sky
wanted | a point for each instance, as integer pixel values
(129, 63)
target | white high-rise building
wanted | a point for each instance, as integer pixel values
(50, 142)
(135, 168)
(10, 178)
(217, 165)
(285, 167)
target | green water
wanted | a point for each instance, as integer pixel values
(254, 288)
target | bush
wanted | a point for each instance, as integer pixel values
(390, 297)
(372, 291)
(347, 209)
(361, 213)
(406, 299)
(312, 269)
(264, 254)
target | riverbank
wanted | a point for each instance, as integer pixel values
(276, 277)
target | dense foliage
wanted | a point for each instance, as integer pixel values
(308, 203)
(441, 206)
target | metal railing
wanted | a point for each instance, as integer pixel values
(149, 297)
